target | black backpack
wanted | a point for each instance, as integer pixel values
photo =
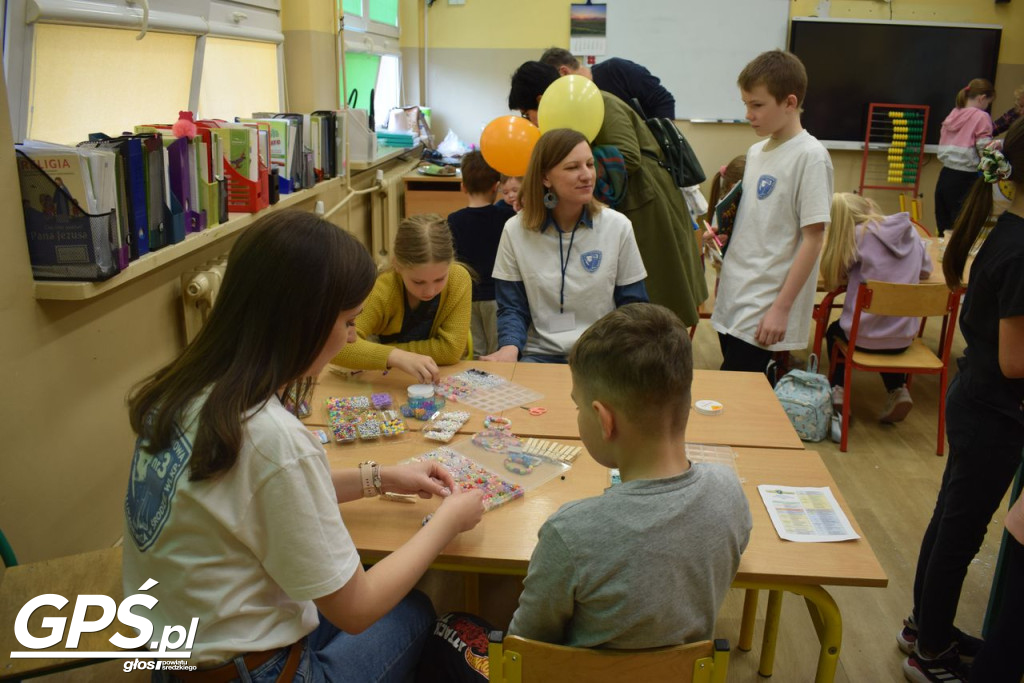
(679, 158)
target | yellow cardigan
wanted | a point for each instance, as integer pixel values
(383, 313)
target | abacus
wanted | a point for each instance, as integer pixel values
(898, 130)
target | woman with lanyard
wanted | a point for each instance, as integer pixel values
(543, 304)
(651, 201)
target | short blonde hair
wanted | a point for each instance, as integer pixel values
(552, 147)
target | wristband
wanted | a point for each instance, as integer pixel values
(369, 478)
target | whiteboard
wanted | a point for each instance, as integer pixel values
(697, 47)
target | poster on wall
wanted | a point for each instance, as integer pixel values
(587, 28)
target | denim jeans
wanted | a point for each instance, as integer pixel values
(984, 453)
(387, 651)
(542, 358)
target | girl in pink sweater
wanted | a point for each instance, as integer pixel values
(965, 132)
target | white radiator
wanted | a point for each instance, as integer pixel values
(199, 290)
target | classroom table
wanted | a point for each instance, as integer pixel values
(752, 416)
(503, 542)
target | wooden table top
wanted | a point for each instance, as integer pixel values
(504, 540)
(752, 416)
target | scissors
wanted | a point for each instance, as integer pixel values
(535, 411)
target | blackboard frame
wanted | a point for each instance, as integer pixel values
(851, 63)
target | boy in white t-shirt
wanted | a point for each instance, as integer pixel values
(769, 275)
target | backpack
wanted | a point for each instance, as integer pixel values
(679, 158)
(806, 397)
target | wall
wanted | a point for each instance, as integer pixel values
(471, 50)
(67, 366)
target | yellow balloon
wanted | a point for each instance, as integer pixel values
(571, 102)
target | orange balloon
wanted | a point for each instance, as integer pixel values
(507, 143)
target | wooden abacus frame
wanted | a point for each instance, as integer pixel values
(887, 129)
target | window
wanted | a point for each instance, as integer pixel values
(372, 59)
(239, 78)
(85, 58)
(86, 80)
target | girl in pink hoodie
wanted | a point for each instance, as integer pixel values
(965, 132)
(863, 244)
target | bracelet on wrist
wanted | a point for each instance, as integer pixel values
(369, 479)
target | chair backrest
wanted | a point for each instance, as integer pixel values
(921, 230)
(528, 661)
(911, 301)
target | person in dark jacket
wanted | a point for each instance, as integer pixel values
(620, 77)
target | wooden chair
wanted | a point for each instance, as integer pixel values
(914, 301)
(822, 313)
(513, 660)
(97, 572)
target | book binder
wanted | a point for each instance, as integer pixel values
(64, 241)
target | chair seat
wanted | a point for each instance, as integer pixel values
(917, 357)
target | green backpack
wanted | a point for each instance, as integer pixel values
(679, 159)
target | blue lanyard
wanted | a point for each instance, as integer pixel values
(564, 263)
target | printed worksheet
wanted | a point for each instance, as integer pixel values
(807, 515)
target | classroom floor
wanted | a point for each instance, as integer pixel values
(889, 477)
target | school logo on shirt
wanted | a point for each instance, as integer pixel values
(765, 185)
(591, 260)
(151, 488)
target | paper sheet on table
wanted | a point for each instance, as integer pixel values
(808, 515)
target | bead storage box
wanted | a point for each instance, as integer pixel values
(355, 417)
(470, 475)
(484, 390)
(509, 467)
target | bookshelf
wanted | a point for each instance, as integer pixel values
(80, 291)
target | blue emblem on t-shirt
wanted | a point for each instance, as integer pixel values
(765, 185)
(154, 479)
(591, 260)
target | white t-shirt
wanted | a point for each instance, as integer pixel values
(601, 258)
(784, 190)
(246, 551)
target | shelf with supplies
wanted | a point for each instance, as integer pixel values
(384, 155)
(79, 291)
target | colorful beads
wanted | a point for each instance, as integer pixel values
(497, 422)
(351, 417)
(381, 401)
(469, 475)
(497, 440)
(443, 426)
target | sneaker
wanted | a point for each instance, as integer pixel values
(968, 645)
(946, 668)
(836, 428)
(898, 406)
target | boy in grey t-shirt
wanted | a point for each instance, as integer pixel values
(648, 563)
